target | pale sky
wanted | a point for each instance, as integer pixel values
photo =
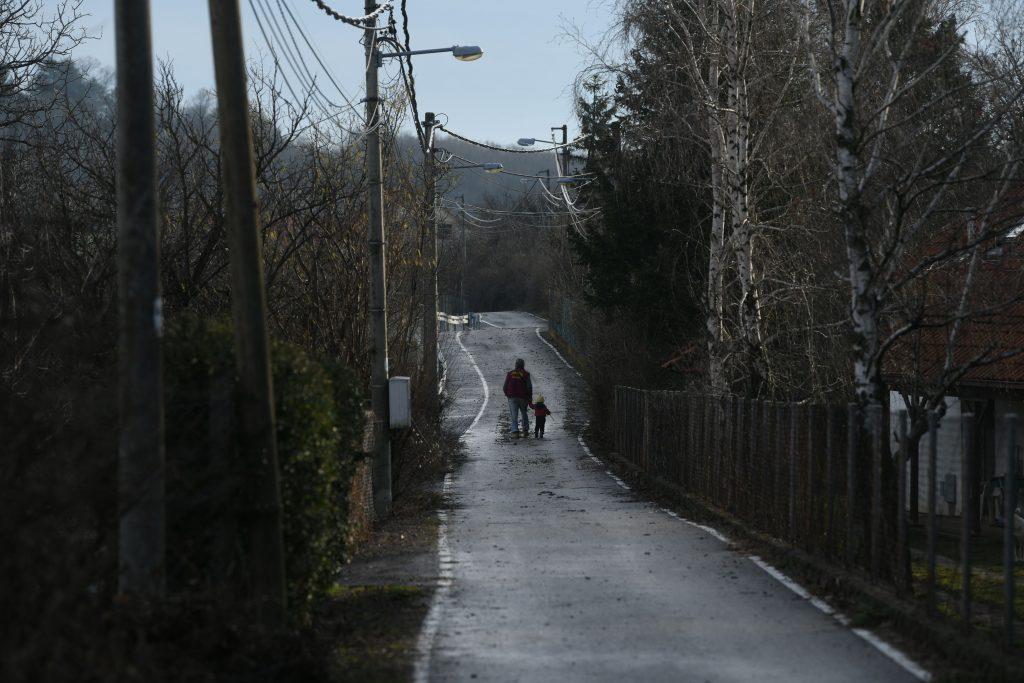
(520, 88)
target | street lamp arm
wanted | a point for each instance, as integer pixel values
(465, 53)
(410, 53)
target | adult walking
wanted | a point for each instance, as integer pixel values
(519, 391)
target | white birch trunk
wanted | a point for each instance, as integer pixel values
(864, 298)
(716, 252)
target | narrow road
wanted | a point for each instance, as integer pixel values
(554, 571)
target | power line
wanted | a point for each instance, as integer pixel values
(358, 22)
(410, 83)
(507, 150)
(512, 173)
(316, 55)
(294, 59)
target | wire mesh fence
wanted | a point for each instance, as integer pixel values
(832, 481)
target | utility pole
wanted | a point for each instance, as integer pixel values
(565, 149)
(462, 272)
(140, 392)
(429, 274)
(249, 311)
(547, 178)
(378, 284)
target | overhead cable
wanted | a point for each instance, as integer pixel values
(358, 22)
(509, 150)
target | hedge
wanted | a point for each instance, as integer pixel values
(319, 421)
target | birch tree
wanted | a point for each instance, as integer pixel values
(908, 155)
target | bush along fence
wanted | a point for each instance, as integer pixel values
(322, 439)
(812, 477)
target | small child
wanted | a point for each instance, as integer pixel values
(540, 413)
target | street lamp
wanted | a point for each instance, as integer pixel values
(527, 142)
(488, 167)
(463, 53)
(379, 374)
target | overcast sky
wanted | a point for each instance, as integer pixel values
(521, 87)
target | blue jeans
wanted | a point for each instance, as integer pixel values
(515, 407)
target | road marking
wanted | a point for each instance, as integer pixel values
(893, 653)
(899, 657)
(483, 382)
(586, 450)
(445, 560)
(487, 323)
(567, 363)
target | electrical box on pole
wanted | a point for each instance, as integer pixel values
(400, 403)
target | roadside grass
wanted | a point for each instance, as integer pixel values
(375, 630)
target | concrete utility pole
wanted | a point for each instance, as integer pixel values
(428, 282)
(249, 311)
(378, 283)
(462, 272)
(565, 150)
(140, 390)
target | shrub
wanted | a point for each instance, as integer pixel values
(318, 420)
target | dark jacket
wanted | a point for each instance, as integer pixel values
(518, 385)
(540, 411)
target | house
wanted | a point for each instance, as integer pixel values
(969, 350)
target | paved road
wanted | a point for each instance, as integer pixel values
(558, 573)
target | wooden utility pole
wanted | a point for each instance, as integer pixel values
(378, 278)
(140, 391)
(429, 270)
(249, 310)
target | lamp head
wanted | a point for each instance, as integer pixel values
(526, 142)
(492, 167)
(467, 53)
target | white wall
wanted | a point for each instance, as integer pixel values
(949, 455)
(950, 448)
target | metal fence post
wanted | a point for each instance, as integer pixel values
(764, 468)
(752, 455)
(852, 439)
(967, 518)
(933, 529)
(874, 421)
(830, 475)
(793, 408)
(739, 448)
(780, 445)
(902, 550)
(709, 436)
(811, 516)
(645, 453)
(1010, 495)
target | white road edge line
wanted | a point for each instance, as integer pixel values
(445, 561)
(487, 323)
(483, 382)
(560, 356)
(902, 659)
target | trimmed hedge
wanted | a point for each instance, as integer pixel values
(319, 422)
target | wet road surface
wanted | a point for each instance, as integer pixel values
(554, 571)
